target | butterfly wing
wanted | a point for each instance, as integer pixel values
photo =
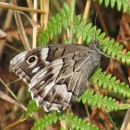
(58, 75)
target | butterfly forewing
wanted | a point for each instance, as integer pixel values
(56, 74)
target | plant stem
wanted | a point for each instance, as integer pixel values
(85, 16)
(71, 20)
(14, 96)
(18, 8)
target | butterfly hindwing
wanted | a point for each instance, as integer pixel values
(56, 74)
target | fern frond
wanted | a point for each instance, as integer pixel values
(99, 100)
(73, 121)
(121, 4)
(61, 19)
(114, 49)
(109, 46)
(32, 107)
(77, 123)
(46, 121)
(126, 58)
(106, 81)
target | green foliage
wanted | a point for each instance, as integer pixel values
(121, 4)
(107, 81)
(32, 107)
(111, 48)
(126, 58)
(74, 122)
(108, 46)
(46, 121)
(99, 100)
(61, 19)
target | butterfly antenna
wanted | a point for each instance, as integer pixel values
(94, 36)
(107, 55)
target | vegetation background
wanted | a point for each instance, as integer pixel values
(23, 33)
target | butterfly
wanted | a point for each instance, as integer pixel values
(57, 74)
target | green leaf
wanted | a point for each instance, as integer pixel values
(117, 88)
(32, 107)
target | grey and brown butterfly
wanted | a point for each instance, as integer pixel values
(56, 74)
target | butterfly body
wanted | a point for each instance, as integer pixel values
(56, 74)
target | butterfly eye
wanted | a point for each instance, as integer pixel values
(32, 59)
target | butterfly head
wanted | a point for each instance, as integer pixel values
(94, 43)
